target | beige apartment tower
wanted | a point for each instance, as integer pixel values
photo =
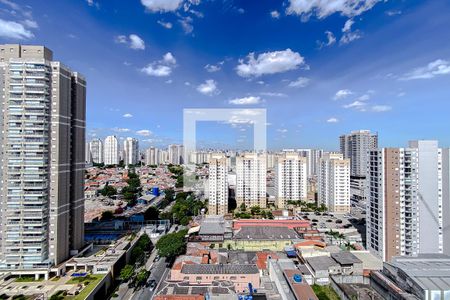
(42, 155)
(251, 172)
(218, 185)
(291, 177)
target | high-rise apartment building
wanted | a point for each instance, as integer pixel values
(42, 137)
(313, 157)
(176, 154)
(218, 185)
(251, 180)
(152, 156)
(355, 146)
(111, 153)
(291, 178)
(334, 182)
(446, 200)
(131, 151)
(408, 200)
(96, 151)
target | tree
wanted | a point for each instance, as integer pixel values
(137, 254)
(144, 242)
(108, 191)
(255, 210)
(172, 244)
(107, 215)
(142, 276)
(151, 213)
(243, 207)
(126, 273)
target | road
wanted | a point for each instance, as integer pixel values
(158, 273)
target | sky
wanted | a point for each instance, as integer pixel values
(320, 68)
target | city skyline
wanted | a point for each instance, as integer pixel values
(346, 67)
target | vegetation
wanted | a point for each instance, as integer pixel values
(142, 276)
(89, 286)
(27, 279)
(151, 213)
(19, 297)
(59, 295)
(108, 191)
(126, 273)
(143, 245)
(172, 244)
(133, 190)
(308, 206)
(186, 206)
(255, 212)
(325, 292)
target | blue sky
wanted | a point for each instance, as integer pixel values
(320, 67)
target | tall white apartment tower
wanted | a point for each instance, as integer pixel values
(218, 185)
(131, 151)
(251, 180)
(111, 153)
(334, 182)
(408, 210)
(355, 146)
(176, 154)
(42, 120)
(291, 178)
(152, 156)
(96, 150)
(312, 159)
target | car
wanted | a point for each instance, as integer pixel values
(156, 258)
(151, 284)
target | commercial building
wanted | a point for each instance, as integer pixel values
(43, 160)
(251, 180)
(291, 178)
(408, 202)
(334, 182)
(218, 185)
(111, 153)
(131, 151)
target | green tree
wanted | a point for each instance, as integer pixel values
(172, 244)
(137, 254)
(108, 191)
(255, 210)
(126, 273)
(142, 276)
(243, 207)
(144, 242)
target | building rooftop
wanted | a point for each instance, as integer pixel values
(321, 263)
(301, 290)
(345, 258)
(265, 233)
(219, 269)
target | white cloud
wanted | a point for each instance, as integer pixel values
(359, 105)
(30, 24)
(162, 5)
(136, 42)
(161, 68)
(401, 94)
(332, 120)
(186, 24)
(166, 25)
(364, 97)
(324, 8)
(275, 14)
(14, 30)
(214, 68)
(117, 129)
(133, 41)
(349, 35)
(299, 82)
(282, 130)
(127, 115)
(144, 132)
(93, 3)
(381, 108)
(433, 69)
(272, 94)
(245, 100)
(341, 94)
(392, 13)
(270, 63)
(209, 88)
(169, 58)
(169, 81)
(331, 40)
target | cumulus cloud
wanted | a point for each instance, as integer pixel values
(349, 35)
(166, 25)
(269, 63)
(282, 130)
(273, 94)
(332, 120)
(161, 68)
(324, 8)
(209, 88)
(133, 41)
(144, 132)
(245, 100)
(214, 68)
(127, 115)
(348, 25)
(14, 30)
(275, 14)
(358, 105)
(341, 94)
(162, 5)
(299, 82)
(186, 24)
(117, 129)
(435, 68)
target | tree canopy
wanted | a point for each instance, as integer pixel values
(172, 244)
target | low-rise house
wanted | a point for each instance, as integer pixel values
(321, 267)
(349, 263)
(256, 238)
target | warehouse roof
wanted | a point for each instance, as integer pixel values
(219, 269)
